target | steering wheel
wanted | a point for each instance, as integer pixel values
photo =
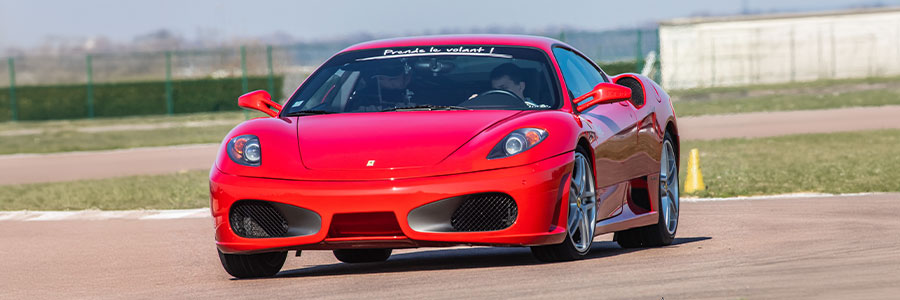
(496, 98)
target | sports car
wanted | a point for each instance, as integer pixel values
(489, 140)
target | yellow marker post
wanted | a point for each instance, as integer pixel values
(694, 181)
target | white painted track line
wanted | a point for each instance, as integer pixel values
(98, 215)
(169, 214)
(780, 196)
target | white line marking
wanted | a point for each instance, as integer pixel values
(178, 214)
(199, 213)
(768, 197)
(167, 214)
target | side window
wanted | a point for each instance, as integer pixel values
(580, 75)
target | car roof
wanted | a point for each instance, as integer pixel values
(465, 39)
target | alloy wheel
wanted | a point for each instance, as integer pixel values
(582, 205)
(668, 187)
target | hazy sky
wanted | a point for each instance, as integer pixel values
(27, 22)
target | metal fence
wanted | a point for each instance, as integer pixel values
(292, 63)
(615, 45)
(288, 63)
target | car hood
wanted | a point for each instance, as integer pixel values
(388, 140)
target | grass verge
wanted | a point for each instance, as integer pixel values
(237, 117)
(786, 102)
(117, 133)
(62, 141)
(851, 162)
(786, 86)
(825, 163)
(171, 191)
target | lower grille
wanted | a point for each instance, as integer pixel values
(485, 212)
(257, 219)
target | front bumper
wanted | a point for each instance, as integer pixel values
(537, 189)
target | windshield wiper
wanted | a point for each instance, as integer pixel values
(427, 107)
(308, 112)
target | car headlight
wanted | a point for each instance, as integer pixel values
(245, 150)
(517, 142)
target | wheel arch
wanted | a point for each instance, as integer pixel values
(582, 141)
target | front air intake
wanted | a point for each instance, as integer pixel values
(257, 219)
(485, 212)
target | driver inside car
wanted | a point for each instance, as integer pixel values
(391, 88)
(509, 77)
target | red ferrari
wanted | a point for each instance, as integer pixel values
(448, 140)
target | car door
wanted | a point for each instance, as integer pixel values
(645, 101)
(614, 125)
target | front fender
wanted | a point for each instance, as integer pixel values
(281, 157)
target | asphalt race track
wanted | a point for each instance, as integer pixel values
(844, 247)
(23, 169)
(764, 124)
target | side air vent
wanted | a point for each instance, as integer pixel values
(485, 212)
(637, 92)
(257, 219)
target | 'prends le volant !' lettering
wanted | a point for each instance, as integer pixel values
(438, 50)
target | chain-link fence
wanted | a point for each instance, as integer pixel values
(616, 45)
(619, 51)
(119, 84)
(171, 82)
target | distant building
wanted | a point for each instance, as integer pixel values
(761, 49)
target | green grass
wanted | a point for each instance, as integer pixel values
(236, 116)
(788, 102)
(824, 94)
(825, 163)
(619, 67)
(62, 136)
(173, 191)
(62, 141)
(850, 162)
(818, 84)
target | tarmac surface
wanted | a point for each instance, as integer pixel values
(764, 124)
(35, 168)
(844, 247)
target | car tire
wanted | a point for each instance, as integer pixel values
(558, 252)
(663, 232)
(570, 249)
(631, 238)
(354, 256)
(253, 265)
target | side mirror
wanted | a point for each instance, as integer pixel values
(602, 94)
(259, 100)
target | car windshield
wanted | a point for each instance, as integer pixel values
(429, 78)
